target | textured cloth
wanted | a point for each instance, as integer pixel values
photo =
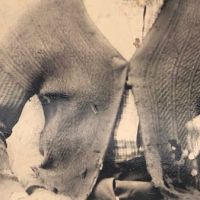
(79, 125)
(165, 73)
(12, 99)
(125, 135)
(126, 128)
(53, 49)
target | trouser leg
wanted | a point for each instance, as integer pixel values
(125, 182)
(124, 190)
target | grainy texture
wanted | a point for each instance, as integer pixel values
(54, 48)
(169, 51)
(165, 75)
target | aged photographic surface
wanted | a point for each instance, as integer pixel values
(99, 99)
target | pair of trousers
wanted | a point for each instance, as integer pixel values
(125, 181)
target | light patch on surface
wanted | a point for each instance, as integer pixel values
(116, 20)
(11, 11)
(23, 145)
(121, 21)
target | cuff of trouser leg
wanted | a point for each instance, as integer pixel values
(105, 189)
(132, 189)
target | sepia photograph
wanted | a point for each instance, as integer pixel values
(99, 100)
